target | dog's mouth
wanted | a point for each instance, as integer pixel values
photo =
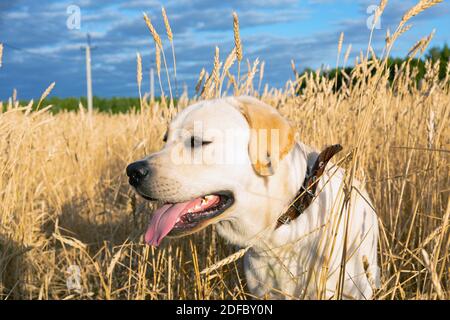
(175, 219)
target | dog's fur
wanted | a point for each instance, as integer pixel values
(301, 259)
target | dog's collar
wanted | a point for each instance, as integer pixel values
(307, 192)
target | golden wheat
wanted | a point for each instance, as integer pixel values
(153, 31)
(65, 200)
(45, 94)
(200, 80)
(167, 24)
(237, 37)
(139, 74)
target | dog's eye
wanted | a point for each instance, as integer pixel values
(196, 141)
(165, 136)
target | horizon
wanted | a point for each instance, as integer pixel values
(157, 96)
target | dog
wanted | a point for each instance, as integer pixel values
(234, 162)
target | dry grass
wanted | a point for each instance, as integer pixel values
(64, 197)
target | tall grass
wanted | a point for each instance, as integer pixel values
(65, 201)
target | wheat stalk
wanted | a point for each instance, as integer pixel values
(237, 38)
(431, 128)
(418, 45)
(237, 42)
(427, 41)
(379, 11)
(387, 38)
(294, 69)
(402, 28)
(229, 61)
(158, 66)
(418, 8)
(377, 16)
(153, 32)
(170, 37)
(340, 42)
(434, 276)
(347, 54)
(206, 86)
(230, 259)
(251, 75)
(73, 242)
(216, 69)
(167, 24)
(421, 45)
(233, 82)
(382, 5)
(200, 80)
(261, 74)
(45, 94)
(139, 75)
(158, 42)
(158, 59)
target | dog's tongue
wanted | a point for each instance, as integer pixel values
(164, 220)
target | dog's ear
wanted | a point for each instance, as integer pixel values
(271, 136)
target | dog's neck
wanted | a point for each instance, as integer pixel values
(280, 189)
(303, 157)
(307, 192)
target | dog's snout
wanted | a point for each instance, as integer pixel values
(137, 171)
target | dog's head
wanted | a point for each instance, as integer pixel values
(216, 165)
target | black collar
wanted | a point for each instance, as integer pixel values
(307, 192)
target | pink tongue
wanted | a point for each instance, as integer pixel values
(164, 220)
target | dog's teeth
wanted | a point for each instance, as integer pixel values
(206, 199)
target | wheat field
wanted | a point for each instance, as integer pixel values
(65, 201)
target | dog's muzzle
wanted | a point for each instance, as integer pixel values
(137, 172)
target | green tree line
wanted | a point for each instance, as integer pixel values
(434, 54)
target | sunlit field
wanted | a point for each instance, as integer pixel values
(66, 206)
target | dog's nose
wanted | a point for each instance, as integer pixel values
(137, 171)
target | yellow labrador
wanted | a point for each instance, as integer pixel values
(234, 162)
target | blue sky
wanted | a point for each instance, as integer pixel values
(39, 48)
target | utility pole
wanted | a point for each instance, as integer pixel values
(88, 74)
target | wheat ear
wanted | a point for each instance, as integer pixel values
(401, 28)
(230, 259)
(158, 42)
(170, 37)
(237, 42)
(216, 70)
(45, 94)
(200, 80)
(158, 66)
(229, 61)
